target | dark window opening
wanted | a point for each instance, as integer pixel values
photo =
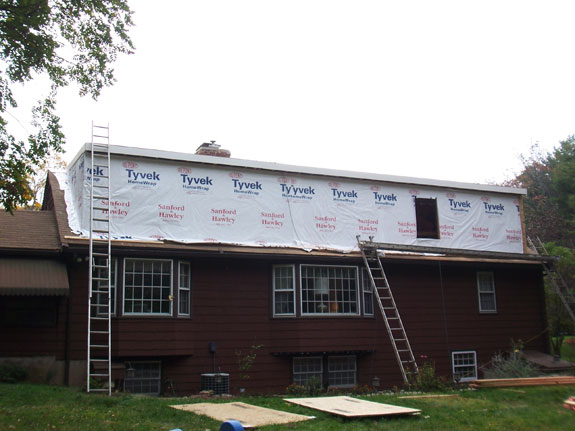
(29, 311)
(426, 218)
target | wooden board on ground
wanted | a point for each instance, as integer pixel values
(249, 415)
(351, 407)
(526, 381)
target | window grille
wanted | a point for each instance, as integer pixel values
(147, 286)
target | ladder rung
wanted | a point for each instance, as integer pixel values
(99, 360)
(98, 346)
(99, 375)
(98, 332)
(100, 136)
(98, 318)
(99, 231)
(98, 390)
(101, 197)
(101, 278)
(95, 253)
(101, 208)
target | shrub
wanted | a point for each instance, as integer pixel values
(12, 373)
(425, 380)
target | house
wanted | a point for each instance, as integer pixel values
(249, 273)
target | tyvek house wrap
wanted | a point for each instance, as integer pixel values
(210, 203)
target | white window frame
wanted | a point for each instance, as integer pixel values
(454, 366)
(102, 309)
(171, 312)
(491, 291)
(331, 372)
(128, 379)
(367, 291)
(186, 289)
(277, 290)
(309, 374)
(329, 313)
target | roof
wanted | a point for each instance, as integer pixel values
(292, 169)
(33, 277)
(29, 230)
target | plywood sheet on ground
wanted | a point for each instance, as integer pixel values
(249, 415)
(524, 381)
(351, 407)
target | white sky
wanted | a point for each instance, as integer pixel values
(452, 90)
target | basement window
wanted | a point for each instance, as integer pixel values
(143, 377)
(329, 290)
(426, 218)
(486, 292)
(284, 290)
(341, 371)
(464, 366)
(147, 287)
(306, 368)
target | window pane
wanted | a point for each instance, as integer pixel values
(329, 290)
(284, 292)
(307, 368)
(341, 371)
(146, 283)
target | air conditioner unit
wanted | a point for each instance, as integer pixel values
(218, 383)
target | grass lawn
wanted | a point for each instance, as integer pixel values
(35, 407)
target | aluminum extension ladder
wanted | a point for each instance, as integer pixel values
(558, 283)
(99, 346)
(388, 309)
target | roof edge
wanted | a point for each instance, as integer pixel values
(294, 169)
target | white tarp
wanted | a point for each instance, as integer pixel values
(191, 202)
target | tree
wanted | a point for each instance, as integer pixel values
(543, 219)
(67, 41)
(562, 172)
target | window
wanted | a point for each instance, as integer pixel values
(29, 311)
(101, 272)
(184, 289)
(367, 293)
(464, 366)
(486, 292)
(143, 378)
(329, 290)
(147, 286)
(426, 218)
(284, 290)
(341, 371)
(305, 368)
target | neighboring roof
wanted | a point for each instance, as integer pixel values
(33, 277)
(277, 167)
(29, 230)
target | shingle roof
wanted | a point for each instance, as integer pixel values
(29, 230)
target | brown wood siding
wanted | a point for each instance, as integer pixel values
(231, 306)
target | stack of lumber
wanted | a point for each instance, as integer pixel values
(527, 381)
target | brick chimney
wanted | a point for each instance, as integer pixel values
(212, 149)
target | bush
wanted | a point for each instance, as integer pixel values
(312, 387)
(12, 373)
(425, 380)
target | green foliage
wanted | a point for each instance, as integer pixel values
(558, 319)
(246, 360)
(562, 171)
(12, 373)
(426, 380)
(510, 365)
(67, 41)
(311, 388)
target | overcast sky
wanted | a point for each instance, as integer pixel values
(452, 90)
